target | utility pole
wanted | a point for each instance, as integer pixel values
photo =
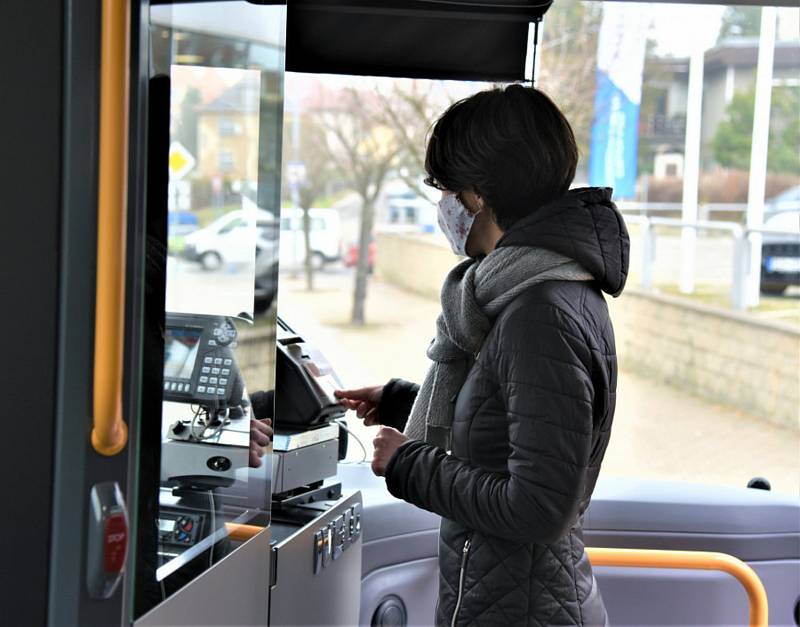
(759, 149)
(691, 168)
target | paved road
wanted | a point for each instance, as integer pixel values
(227, 291)
(659, 432)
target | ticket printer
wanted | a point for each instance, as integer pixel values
(307, 437)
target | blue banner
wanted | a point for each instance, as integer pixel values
(613, 151)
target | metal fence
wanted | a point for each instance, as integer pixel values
(704, 210)
(742, 249)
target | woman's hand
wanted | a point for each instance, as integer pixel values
(364, 401)
(386, 443)
(260, 437)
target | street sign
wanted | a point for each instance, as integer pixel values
(181, 161)
(296, 172)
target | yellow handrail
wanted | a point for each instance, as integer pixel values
(695, 560)
(110, 433)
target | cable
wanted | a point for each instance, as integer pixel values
(193, 424)
(535, 46)
(213, 527)
(360, 443)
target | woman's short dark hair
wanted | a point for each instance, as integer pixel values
(511, 146)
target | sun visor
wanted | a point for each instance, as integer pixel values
(438, 39)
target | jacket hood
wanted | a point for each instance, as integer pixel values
(584, 225)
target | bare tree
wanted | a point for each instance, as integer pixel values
(364, 150)
(410, 109)
(318, 173)
(569, 59)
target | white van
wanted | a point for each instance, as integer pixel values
(230, 239)
(326, 238)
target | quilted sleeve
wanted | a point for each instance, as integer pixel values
(542, 362)
(396, 401)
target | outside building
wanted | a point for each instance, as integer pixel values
(730, 68)
(224, 126)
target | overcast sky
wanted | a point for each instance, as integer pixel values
(678, 27)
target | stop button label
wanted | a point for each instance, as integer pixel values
(115, 543)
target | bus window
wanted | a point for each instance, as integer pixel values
(706, 393)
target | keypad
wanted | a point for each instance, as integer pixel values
(206, 370)
(218, 361)
(228, 362)
(223, 382)
(226, 371)
(208, 360)
(201, 389)
(203, 379)
(215, 371)
(213, 380)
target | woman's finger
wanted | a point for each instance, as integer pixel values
(363, 408)
(357, 394)
(371, 417)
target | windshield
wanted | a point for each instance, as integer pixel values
(708, 390)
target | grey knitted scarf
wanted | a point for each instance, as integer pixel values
(473, 295)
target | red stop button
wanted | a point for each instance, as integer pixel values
(115, 543)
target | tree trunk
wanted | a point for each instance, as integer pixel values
(308, 257)
(362, 269)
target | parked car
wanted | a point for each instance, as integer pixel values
(780, 254)
(351, 255)
(325, 236)
(788, 200)
(226, 240)
(266, 271)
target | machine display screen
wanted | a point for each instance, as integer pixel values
(180, 352)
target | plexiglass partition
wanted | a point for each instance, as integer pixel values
(224, 62)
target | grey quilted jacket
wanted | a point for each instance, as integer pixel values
(532, 423)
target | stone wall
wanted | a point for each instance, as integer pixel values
(723, 356)
(417, 263)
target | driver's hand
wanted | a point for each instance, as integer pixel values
(260, 437)
(364, 401)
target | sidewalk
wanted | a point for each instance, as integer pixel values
(659, 431)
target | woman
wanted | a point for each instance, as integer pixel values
(522, 387)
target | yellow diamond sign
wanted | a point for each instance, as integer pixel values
(181, 161)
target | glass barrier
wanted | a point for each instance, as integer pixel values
(225, 63)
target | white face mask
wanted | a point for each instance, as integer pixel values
(456, 222)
